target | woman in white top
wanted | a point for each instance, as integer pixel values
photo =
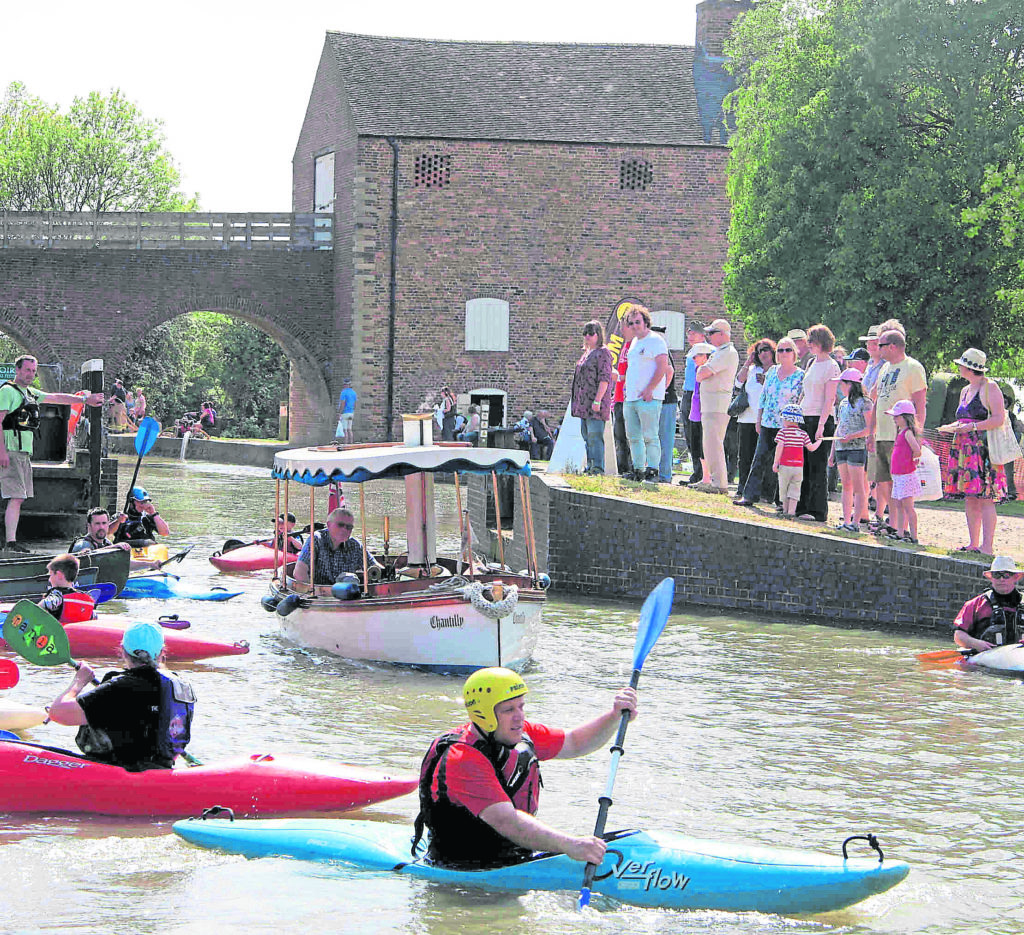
(821, 380)
(760, 359)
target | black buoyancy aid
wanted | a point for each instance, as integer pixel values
(23, 419)
(457, 836)
(1003, 626)
(134, 528)
(177, 703)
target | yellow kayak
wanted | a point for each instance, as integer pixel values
(16, 716)
(152, 552)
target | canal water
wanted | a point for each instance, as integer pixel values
(751, 730)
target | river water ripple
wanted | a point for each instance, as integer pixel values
(751, 730)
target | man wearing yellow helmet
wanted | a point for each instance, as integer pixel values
(480, 784)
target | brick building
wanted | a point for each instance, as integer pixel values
(491, 197)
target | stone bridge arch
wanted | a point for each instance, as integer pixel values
(308, 391)
(71, 305)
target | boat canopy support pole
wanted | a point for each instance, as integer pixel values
(312, 540)
(531, 542)
(497, 520)
(362, 523)
(465, 541)
(277, 513)
(284, 567)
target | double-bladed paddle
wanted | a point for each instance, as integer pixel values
(653, 616)
(102, 592)
(942, 658)
(145, 439)
(177, 557)
(35, 635)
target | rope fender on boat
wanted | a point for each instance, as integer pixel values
(474, 592)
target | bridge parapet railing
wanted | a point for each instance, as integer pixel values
(139, 230)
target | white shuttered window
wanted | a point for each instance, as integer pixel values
(487, 325)
(674, 324)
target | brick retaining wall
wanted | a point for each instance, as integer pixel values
(609, 547)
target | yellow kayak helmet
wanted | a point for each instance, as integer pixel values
(486, 688)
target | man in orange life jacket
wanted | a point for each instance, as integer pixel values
(480, 784)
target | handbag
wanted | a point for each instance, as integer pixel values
(1003, 447)
(739, 404)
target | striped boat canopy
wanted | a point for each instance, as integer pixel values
(356, 465)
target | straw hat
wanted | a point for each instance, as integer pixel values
(1003, 563)
(973, 359)
(872, 334)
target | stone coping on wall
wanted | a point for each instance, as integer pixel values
(609, 546)
(216, 450)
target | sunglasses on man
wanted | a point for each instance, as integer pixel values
(1003, 575)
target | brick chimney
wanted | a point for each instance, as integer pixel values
(714, 22)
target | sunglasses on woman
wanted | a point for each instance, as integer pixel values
(786, 350)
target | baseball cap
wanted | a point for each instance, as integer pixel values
(143, 637)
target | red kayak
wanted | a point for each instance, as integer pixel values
(253, 557)
(92, 640)
(35, 778)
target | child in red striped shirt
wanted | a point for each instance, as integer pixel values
(789, 457)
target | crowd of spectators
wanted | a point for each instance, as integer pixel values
(851, 416)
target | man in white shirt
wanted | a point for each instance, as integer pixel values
(716, 379)
(644, 391)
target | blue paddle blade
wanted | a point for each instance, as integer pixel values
(653, 616)
(102, 592)
(8, 735)
(145, 437)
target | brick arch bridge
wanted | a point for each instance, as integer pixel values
(75, 287)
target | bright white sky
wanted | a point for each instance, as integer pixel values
(230, 80)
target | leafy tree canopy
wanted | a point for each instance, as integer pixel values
(101, 155)
(864, 131)
(207, 355)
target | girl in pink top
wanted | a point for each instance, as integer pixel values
(906, 451)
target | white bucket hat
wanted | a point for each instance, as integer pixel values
(1003, 563)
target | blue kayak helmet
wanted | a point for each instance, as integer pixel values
(140, 494)
(485, 689)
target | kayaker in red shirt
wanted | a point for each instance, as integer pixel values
(139, 718)
(480, 784)
(993, 617)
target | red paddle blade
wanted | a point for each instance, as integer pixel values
(9, 673)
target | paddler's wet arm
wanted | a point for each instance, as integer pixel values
(523, 829)
(65, 709)
(963, 639)
(591, 736)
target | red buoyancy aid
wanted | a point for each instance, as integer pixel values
(457, 836)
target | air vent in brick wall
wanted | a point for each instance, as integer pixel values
(433, 171)
(635, 175)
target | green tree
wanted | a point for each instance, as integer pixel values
(864, 127)
(101, 155)
(207, 355)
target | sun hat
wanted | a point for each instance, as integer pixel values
(702, 348)
(143, 637)
(719, 326)
(796, 334)
(1003, 563)
(852, 374)
(903, 408)
(872, 334)
(792, 414)
(973, 359)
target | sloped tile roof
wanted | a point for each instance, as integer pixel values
(519, 90)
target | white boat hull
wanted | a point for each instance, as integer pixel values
(443, 633)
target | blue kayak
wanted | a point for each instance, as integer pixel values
(166, 586)
(646, 868)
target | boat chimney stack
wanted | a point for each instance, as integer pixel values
(420, 515)
(418, 429)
